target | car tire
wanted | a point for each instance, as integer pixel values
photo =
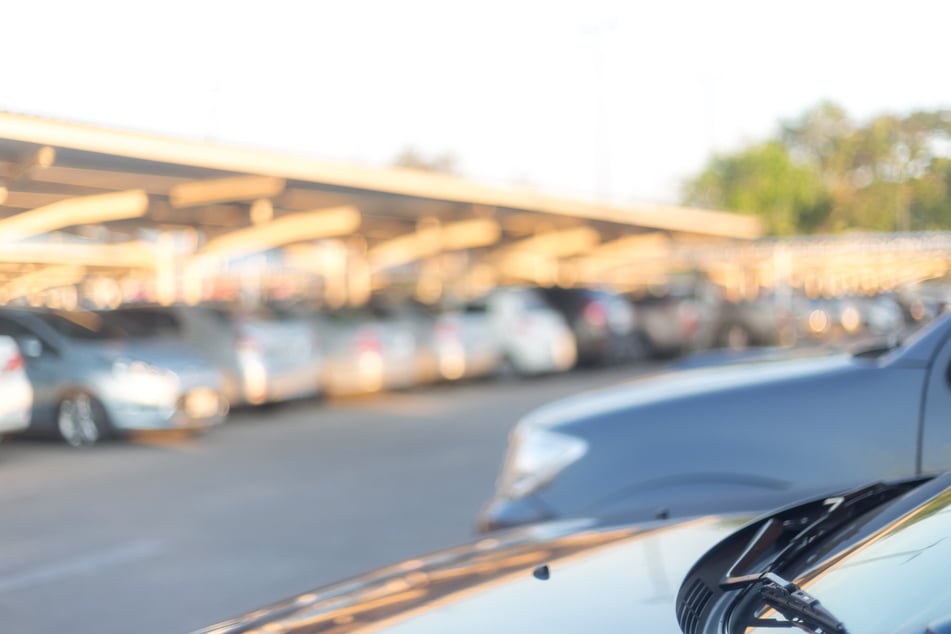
(737, 337)
(506, 369)
(641, 349)
(81, 420)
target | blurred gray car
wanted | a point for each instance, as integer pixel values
(465, 344)
(264, 356)
(764, 321)
(199, 328)
(604, 324)
(90, 381)
(681, 319)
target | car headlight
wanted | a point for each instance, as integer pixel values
(142, 373)
(535, 457)
(851, 319)
(145, 383)
(124, 367)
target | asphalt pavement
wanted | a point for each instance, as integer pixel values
(167, 534)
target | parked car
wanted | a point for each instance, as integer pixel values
(602, 579)
(767, 320)
(465, 344)
(679, 319)
(871, 560)
(881, 315)
(90, 381)
(379, 346)
(815, 318)
(837, 319)
(920, 303)
(603, 323)
(534, 337)
(583, 577)
(201, 329)
(731, 437)
(16, 393)
(279, 355)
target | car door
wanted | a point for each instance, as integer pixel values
(42, 361)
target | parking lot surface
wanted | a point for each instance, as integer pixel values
(168, 534)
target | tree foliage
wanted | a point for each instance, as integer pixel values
(824, 172)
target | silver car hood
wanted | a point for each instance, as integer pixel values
(620, 580)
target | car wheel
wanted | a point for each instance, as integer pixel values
(81, 420)
(738, 337)
(640, 348)
(506, 370)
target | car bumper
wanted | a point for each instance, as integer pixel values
(196, 409)
(501, 513)
(263, 383)
(363, 373)
(12, 421)
(294, 384)
(557, 355)
(17, 406)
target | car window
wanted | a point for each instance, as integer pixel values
(365, 313)
(14, 329)
(476, 308)
(84, 326)
(21, 333)
(144, 323)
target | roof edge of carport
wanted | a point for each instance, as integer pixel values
(407, 182)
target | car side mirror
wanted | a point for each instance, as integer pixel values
(31, 347)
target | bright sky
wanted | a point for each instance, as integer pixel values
(611, 99)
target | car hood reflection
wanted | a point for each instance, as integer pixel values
(609, 580)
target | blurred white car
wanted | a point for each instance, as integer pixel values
(16, 393)
(465, 344)
(279, 355)
(533, 336)
(378, 347)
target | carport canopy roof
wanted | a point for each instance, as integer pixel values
(49, 168)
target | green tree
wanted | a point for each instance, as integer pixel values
(825, 172)
(763, 180)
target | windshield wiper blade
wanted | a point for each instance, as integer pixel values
(807, 531)
(800, 608)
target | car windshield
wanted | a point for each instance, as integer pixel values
(894, 583)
